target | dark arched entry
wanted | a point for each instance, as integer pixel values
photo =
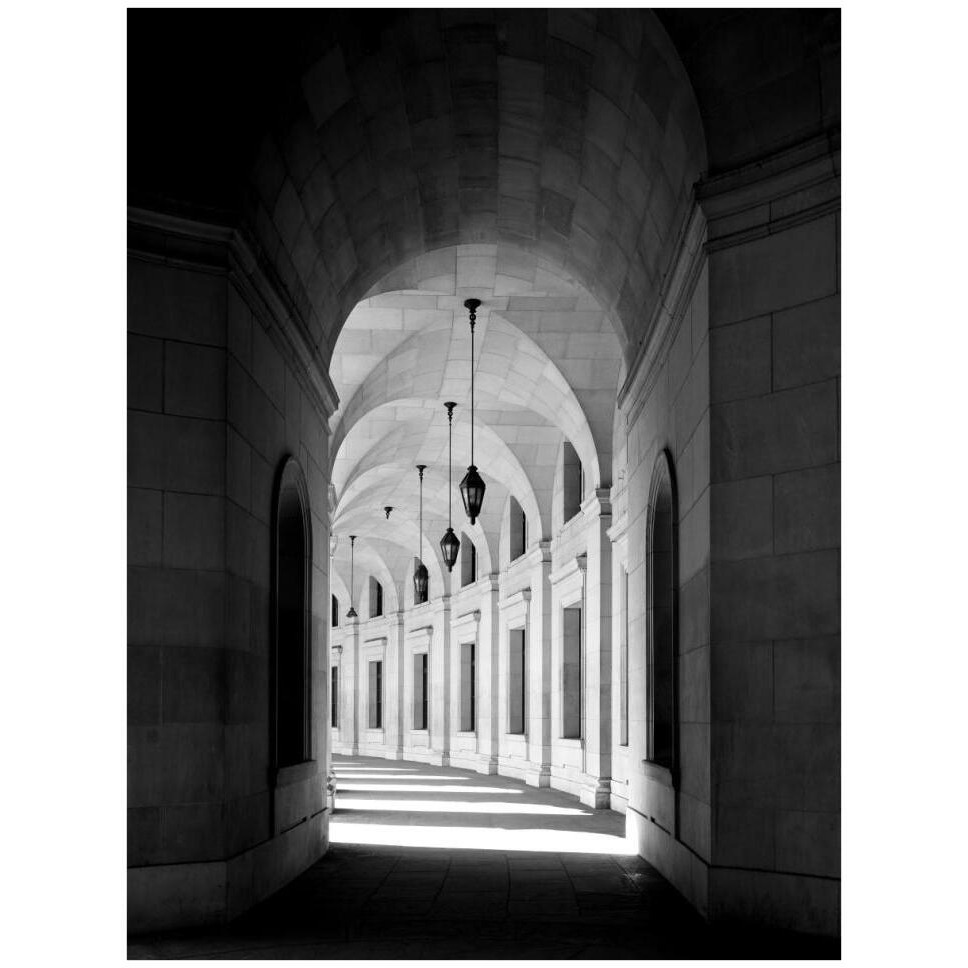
(292, 641)
(663, 612)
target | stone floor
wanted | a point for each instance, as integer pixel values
(439, 863)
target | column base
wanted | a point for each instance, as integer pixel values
(539, 775)
(596, 793)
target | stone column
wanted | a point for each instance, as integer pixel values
(352, 661)
(597, 652)
(540, 667)
(395, 667)
(488, 717)
(439, 682)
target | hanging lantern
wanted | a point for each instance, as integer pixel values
(472, 486)
(352, 612)
(449, 543)
(420, 576)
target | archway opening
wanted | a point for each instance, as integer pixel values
(662, 601)
(292, 646)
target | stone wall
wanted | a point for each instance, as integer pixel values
(667, 409)
(214, 408)
(775, 540)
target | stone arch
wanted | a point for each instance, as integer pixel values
(292, 556)
(574, 134)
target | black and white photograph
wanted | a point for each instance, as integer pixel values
(477, 592)
(484, 469)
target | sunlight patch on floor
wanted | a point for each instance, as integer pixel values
(400, 776)
(342, 767)
(479, 838)
(456, 806)
(420, 788)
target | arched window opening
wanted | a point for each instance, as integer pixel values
(519, 531)
(334, 619)
(293, 594)
(572, 481)
(468, 562)
(376, 598)
(662, 603)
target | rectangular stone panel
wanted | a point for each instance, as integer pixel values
(238, 608)
(144, 684)
(694, 825)
(194, 380)
(808, 777)
(174, 763)
(806, 510)
(694, 611)
(144, 526)
(778, 597)
(745, 764)
(692, 400)
(808, 842)
(694, 764)
(742, 682)
(775, 272)
(144, 835)
(806, 675)
(176, 453)
(743, 836)
(193, 685)
(246, 758)
(741, 363)
(806, 343)
(268, 370)
(694, 686)
(246, 687)
(174, 607)
(694, 538)
(780, 432)
(176, 303)
(238, 469)
(194, 531)
(246, 822)
(145, 369)
(191, 832)
(742, 519)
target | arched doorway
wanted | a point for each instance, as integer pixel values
(292, 645)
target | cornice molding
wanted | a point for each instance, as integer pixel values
(617, 532)
(574, 566)
(538, 554)
(598, 503)
(792, 186)
(188, 243)
(420, 631)
(521, 597)
(468, 618)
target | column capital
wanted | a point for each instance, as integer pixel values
(598, 503)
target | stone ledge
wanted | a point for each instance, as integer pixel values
(171, 896)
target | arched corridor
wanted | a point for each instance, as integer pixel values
(430, 862)
(593, 255)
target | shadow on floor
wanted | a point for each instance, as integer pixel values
(439, 863)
